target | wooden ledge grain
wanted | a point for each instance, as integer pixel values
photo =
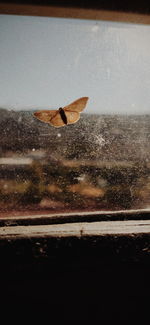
(103, 228)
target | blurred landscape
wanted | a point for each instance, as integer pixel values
(100, 163)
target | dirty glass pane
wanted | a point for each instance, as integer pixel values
(102, 162)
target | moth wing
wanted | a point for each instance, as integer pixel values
(57, 120)
(45, 115)
(72, 117)
(77, 106)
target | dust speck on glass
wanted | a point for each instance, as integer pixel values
(102, 162)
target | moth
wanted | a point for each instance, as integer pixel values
(63, 116)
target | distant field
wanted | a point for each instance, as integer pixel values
(101, 163)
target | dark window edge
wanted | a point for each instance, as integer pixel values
(100, 13)
(75, 217)
(127, 6)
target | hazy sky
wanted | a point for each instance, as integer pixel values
(50, 62)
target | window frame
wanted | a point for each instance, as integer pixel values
(48, 10)
(63, 265)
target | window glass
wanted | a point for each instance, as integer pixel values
(102, 162)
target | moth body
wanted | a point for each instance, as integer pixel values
(63, 115)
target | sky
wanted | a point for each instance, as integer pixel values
(46, 63)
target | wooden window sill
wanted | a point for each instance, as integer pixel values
(95, 266)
